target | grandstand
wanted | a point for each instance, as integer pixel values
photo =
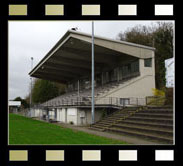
(124, 76)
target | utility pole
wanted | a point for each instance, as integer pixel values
(93, 93)
(31, 83)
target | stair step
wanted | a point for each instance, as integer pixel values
(157, 111)
(154, 137)
(101, 125)
(116, 117)
(110, 119)
(161, 120)
(131, 108)
(160, 107)
(139, 114)
(145, 129)
(96, 128)
(107, 123)
(151, 124)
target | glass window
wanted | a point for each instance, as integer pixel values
(135, 66)
(148, 62)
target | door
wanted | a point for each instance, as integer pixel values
(65, 115)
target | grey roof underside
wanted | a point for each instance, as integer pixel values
(70, 58)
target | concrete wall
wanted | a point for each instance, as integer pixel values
(67, 115)
(147, 70)
(61, 115)
(36, 112)
(86, 120)
(77, 116)
(72, 115)
(52, 114)
(138, 87)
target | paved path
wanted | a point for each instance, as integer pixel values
(128, 139)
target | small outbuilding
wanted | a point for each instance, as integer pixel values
(14, 106)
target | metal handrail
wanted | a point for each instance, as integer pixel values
(84, 101)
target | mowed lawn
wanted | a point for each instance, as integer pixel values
(23, 130)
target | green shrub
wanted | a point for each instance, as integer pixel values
(158, 93)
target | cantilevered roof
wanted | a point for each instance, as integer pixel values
(70, 58)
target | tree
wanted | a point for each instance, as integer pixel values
(24, 103)
(159, 36)
(44, 90)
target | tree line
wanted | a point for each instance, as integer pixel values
(159, 36)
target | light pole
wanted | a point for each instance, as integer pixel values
(31, 83)
(93, 93)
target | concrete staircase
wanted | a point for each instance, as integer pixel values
(113, 118)
(151, 123)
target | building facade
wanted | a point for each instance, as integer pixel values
(124, 75)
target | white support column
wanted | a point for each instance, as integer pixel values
(93, 81)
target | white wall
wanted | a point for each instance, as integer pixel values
(67, 115)
(72, 114)
(140, 88)
(38, 113)
(51, 114)
(87, 119)
(61, 115)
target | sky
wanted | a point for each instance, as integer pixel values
(35, 38)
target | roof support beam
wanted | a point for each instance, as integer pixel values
(80, 62)
(58, 70)
(69, 62)
(100, 58)
(56, 73)
(66, 68)
(50, 78)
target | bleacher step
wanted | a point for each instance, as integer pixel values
(150, 124)
(146, 129)
(153, 137)
(161, 120)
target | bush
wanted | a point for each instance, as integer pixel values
(158, 93)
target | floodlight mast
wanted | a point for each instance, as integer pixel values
(31, 83)
(93, 93)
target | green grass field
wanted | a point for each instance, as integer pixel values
(24, 130)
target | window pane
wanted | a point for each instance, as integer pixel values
(148, 62)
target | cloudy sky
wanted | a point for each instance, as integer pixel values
(35, 38)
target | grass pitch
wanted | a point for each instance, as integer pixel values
(23, 130)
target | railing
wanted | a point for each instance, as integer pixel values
(86, 101)
(155, 100)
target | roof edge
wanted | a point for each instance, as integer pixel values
(113, 40)
(86, 34)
